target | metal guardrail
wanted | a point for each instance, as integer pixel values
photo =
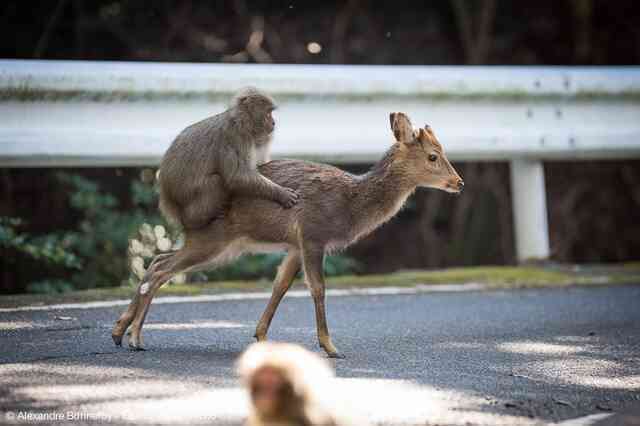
(80, 113)
(171, 78)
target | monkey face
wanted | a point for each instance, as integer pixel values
(257, 108)
(262, 117)
(269, 122)
(270, 391)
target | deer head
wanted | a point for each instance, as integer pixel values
(422, 157)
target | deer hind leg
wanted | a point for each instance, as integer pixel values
(126, 318)
(286, 274)
(186, 258)
(313, 258)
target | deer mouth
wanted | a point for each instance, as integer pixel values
(453, 189)
(456, 186)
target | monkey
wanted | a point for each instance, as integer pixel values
(286, 383)
(216, 158)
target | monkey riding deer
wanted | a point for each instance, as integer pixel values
(336, 209)
(216, 158)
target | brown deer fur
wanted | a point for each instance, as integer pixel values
(335, 210)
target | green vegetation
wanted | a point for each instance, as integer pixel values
(494, 277)
(49, 249)
(97, 253)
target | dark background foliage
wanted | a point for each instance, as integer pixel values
(569, 32)
(593, 206)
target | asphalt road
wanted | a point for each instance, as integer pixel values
(480, 357)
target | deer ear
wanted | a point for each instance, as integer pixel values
(401, 126)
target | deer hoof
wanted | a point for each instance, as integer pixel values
(135, 342)
(117, 340)
(136, 348)
(336, 355)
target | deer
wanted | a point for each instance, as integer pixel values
(336, 209)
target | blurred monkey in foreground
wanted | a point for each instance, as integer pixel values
(286, 384)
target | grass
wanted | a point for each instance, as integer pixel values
(494, 277)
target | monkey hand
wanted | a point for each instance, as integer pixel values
(289, 197)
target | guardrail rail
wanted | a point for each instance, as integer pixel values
(100, 114)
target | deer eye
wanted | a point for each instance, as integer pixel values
(433, 157)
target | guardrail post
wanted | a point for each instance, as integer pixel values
(529, 209)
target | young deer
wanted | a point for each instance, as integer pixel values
(336, 209)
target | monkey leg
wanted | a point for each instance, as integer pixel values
(286, 274)
(312, 261)
(125, 319)
(206, 204)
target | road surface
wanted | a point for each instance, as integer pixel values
(479, 357)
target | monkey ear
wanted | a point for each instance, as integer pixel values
(401, 127)
(244, 95)
(242, 100)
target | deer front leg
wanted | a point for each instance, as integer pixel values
(286, 274)
(313, 260)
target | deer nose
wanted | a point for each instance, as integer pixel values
(460, 185)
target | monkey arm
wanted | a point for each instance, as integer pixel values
(242, 178)
(254, 184)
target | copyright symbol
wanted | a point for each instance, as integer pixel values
(10, 415)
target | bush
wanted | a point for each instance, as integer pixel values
(102, 235)
(53, 250)
(50, 255)
(265, 266)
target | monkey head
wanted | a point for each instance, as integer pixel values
(271, 391)
(256, 107)
(285, 382)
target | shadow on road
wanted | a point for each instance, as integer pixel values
(457, 359)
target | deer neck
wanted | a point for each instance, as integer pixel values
(380, 193)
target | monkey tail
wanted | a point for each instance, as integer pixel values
(168, 207)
